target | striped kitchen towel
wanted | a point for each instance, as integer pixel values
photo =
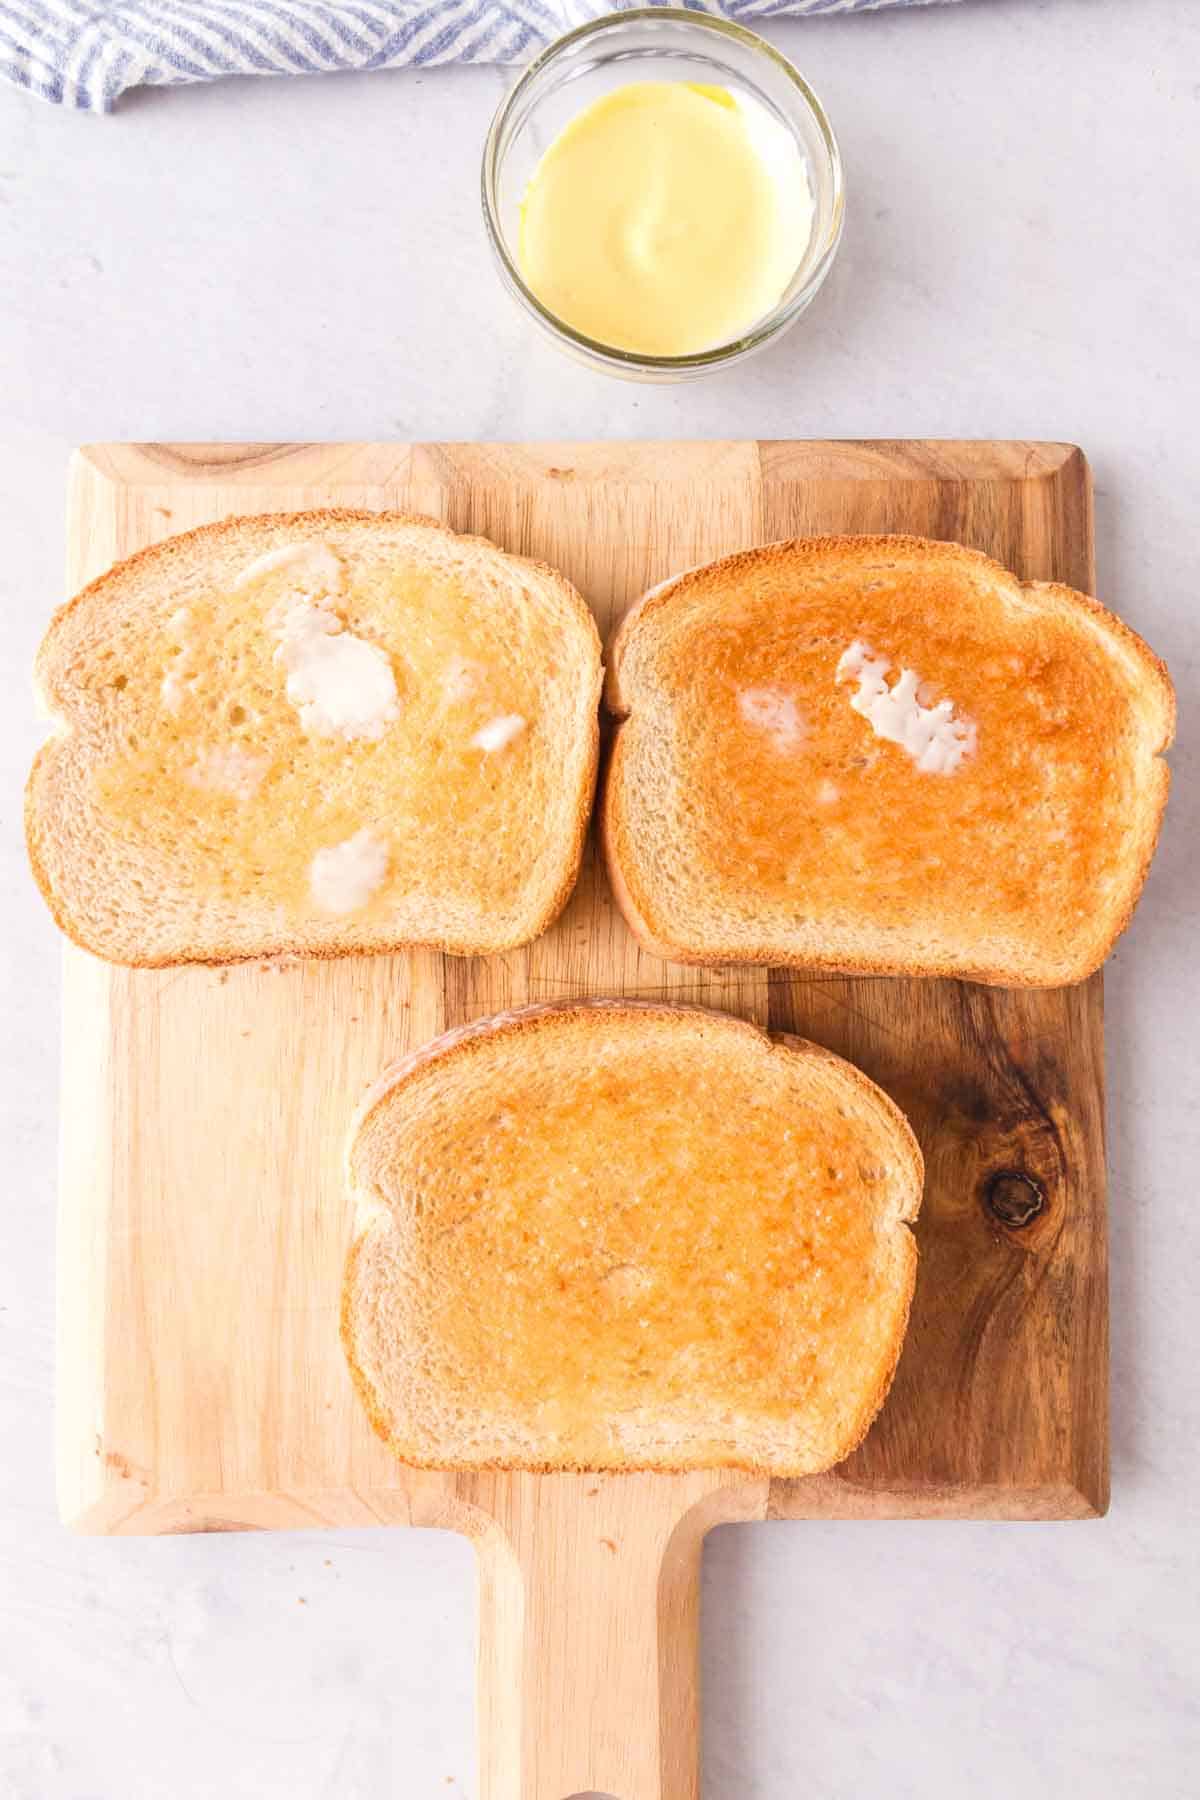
(79, 53)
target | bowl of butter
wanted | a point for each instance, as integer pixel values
(662, 192)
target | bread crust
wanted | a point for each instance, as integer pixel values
(159, 557)
(528, 1022)
(620, 852)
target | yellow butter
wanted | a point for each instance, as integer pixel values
(666, 218)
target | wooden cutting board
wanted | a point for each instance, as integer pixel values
(204, 1222)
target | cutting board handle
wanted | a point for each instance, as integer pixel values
(589, 1610)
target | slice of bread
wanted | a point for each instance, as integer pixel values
(314, 734)
(882, 755)
(605, 1235)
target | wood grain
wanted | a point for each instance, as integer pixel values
(589, 1624)
(204, 1223)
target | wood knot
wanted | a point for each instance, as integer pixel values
(1013, 1199)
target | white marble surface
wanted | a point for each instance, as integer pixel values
(305, 259)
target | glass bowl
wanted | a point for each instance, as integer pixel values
(657, 44)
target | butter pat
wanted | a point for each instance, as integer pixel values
(228, 769)
(773, 711)
(461, 678)
(174, 684)
(498, 733)
(937, 741)
(343, 877)
(341, 685)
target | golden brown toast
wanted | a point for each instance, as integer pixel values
(882, 755)
(607, 1235)
(316, 734)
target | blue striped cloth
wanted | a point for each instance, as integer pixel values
(82, 54)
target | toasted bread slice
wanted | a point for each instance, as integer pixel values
(314, 734)
(604, 1235)
(882, 755)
